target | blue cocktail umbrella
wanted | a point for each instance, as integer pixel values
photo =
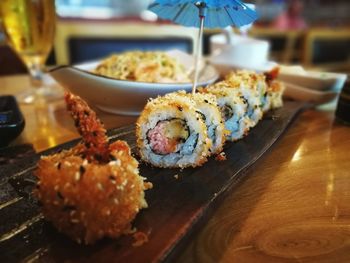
(204, 13)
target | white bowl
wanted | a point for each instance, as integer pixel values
(122, 96)
(240, 53)
(224, 67)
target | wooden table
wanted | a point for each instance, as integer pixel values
(293, 206)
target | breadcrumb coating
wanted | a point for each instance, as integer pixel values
(85, 197)
(89, 127)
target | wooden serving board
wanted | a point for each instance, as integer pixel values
(177, 207)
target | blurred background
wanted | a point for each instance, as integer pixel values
(312, 33)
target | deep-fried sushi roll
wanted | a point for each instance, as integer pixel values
(252, 87)
(207, 107)
(233, 110)
(275, 88)
(275, 92)
(171, 132)
(94, 189)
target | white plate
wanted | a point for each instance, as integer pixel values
(122, 96)
(320, 81)
(300, 93)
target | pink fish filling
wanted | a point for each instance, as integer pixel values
(158, 140)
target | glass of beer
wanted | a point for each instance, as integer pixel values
(29, 27)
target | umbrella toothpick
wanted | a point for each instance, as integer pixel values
(221, 14)
(202, 10)
(198, 56)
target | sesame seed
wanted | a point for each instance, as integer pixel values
(77, 176)
(99, 186)
(74, 221)
(115, 200)
(115, 163)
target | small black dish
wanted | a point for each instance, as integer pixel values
(11, 120)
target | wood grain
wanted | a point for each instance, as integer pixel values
(293, 207)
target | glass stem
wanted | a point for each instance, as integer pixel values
(36, 75)
(36, 78)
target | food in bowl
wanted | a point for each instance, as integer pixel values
(149, 66)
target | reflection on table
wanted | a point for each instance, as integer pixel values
(50, 124)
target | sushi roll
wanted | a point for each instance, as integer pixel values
(252, 87)
(207, 107)
(93, 190)
(275, 93)
(171, 133)
(275, 88)
(233, 108)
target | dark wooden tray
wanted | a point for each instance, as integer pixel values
(177, 207)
